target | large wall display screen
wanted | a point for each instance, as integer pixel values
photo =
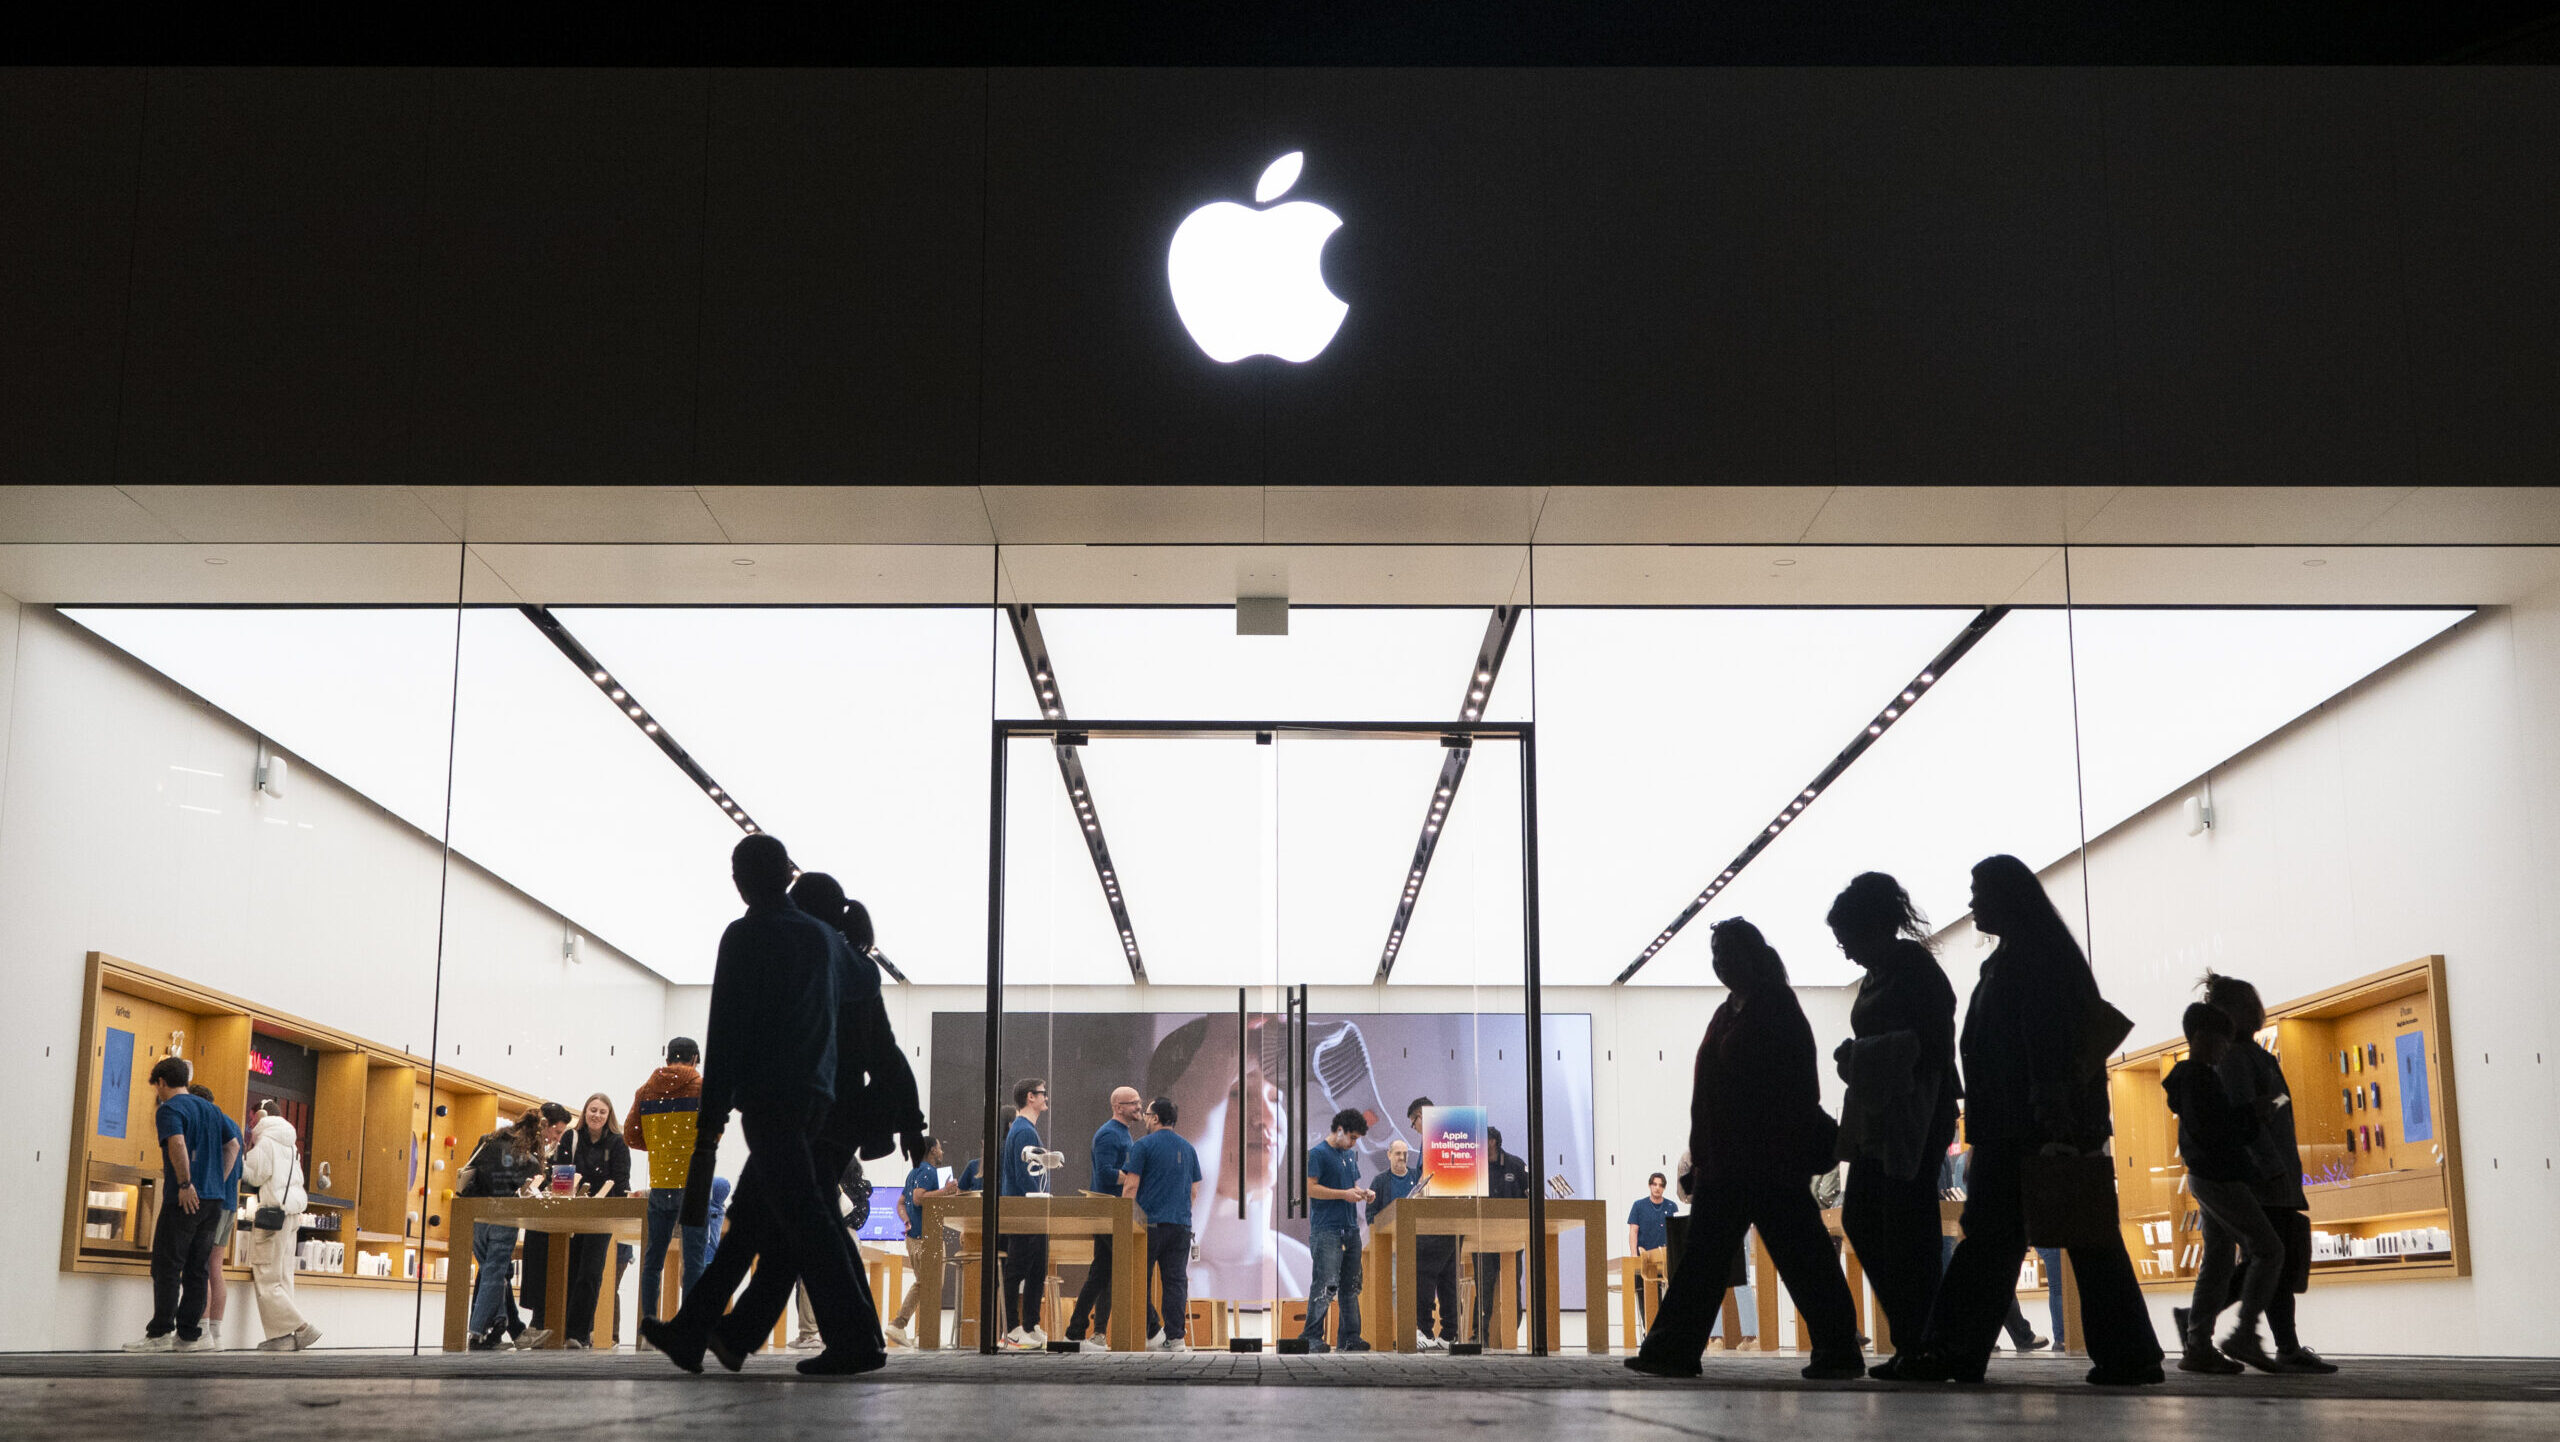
(1375, 1063)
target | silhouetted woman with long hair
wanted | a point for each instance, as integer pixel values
(1757, 1134)
(2032, 1086)
(1900, 1064)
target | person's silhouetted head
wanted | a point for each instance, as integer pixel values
(856, 925)
(1744, 960)
(820, 895)
(761, 867)
(2209, 1030)
(2235, 999)
(1870, 912)
(2009, 903)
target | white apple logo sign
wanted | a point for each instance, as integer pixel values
(1250, 282)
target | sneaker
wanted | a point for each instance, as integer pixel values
(1038, 1339)
(2145, 1375)
(1156, 1343)
(722, 1350)
(165, 1342)
(1093, 1344)
(305, 1337)
(1019, 1340)
(532, 1338)
(285, 1342)
(2035, 1344)
(2245, 1345)
(1317, 1346)
(2201, 1357)
(486, 1344)
(1357, 1344)
(576, 1344)
(2303, 1359)
(1657, 1367)
(1428, 1343)
(1176, 1344)
(1920, 1364)
(808, 1342)
(203, 1342)
(899, 1335)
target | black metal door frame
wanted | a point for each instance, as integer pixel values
(1532, 999)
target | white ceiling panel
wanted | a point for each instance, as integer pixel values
(1401, 515)
(1711, 515)
(744, 575)
(851, 515)
(1738, 576)
(1145, 515)
(76, 514)
(1307, 575)
(2238, 515)
(321, 574)
(294, 513)
(570, 514)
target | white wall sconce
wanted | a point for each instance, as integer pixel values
(2200, 811)
(270, 776)
(573, 950)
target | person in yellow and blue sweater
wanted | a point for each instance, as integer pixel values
(661, 1123)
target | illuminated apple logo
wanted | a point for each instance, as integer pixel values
(1250, 282)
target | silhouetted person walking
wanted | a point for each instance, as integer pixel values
(2035, 1082)
(2253, 1079)
(772, 1059)
(870, 1071)
(1757, 1131)
(1900, 1116)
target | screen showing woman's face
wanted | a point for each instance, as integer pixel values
(1208, 1089)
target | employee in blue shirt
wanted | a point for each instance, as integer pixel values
(1111, 1143)
(1162, 1173)
(1435, 1259)
(1333, 1230)
(1647, 1240)
(924, 1181)
(201, 1151)
(1393, 1184)
(1026, 1254)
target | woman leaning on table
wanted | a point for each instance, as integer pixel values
(511, 1162)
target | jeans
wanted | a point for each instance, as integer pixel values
(1169, 1258)
(2232, 1214)
(1893, 1222)
(1981, 1284)
(1093, 1299)
(493, 1305)
(665, 1203)
(181, 1249)
(1782, 1209)
(1337, 1275)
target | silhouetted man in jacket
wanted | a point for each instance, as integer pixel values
(772, 1046)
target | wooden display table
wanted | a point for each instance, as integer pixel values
(1088, 1216)
(1487, 1224)
(561, 1217)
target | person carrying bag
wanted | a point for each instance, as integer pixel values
(273, 1167)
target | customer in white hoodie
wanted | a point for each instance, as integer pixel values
(272, 1171)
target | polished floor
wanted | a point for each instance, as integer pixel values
(1072, 1399)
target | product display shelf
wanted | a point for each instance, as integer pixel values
(382, 1144)
(2375, 1120)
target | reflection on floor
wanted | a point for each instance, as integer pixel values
(395, 1397)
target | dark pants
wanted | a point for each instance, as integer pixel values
(1727, 1209)
(586, 1280)
(1026, 1277)
(1488, 1268)
(1169, 1257)
(783, 1220)
(1093, 1299)
(533, 1284)
(1981, 1284)
(752, 1320)
(181, 1250)
(1435, 1286)
(1894, 1225)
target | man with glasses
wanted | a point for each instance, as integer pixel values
(1026, 1255)
(1111, 1143)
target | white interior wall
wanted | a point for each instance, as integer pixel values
(128, 825)
(2417, 814)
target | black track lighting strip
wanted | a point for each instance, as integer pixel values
(1069, 750)
(1894, 710)
(601, 677)
(1453, 769)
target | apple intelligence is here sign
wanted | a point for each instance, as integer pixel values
(1250, 282)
